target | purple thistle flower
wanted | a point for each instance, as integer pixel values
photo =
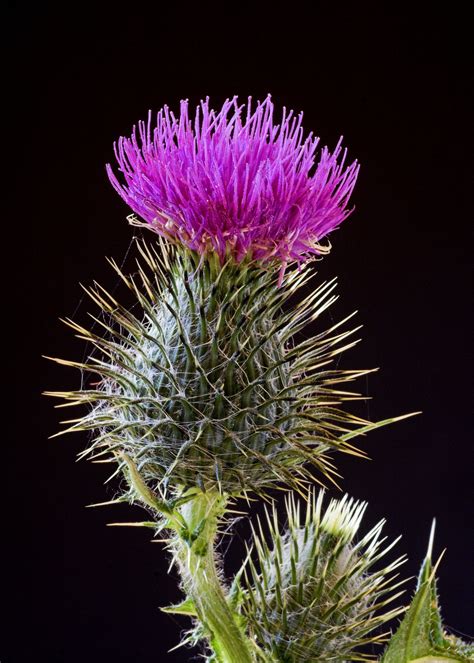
(235, 182)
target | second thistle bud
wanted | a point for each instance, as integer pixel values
(314, 594)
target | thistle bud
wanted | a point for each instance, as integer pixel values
(314, 593)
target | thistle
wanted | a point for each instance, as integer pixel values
(205, 391)
(206, 386)
(314, 594)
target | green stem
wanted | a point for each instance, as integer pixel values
(195, 553)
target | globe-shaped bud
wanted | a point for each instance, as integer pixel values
(315, 593)
(205, 383)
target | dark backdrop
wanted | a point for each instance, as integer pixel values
(395, 84)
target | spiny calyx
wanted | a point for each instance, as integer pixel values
(204, 385)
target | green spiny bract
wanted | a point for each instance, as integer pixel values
(421, 635)
(314, 595)
(203, 385)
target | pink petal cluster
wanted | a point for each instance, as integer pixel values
(234, 181)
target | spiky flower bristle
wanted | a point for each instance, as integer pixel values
(205, 385)
(235, 180)
(313, 594)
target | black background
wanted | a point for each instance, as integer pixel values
(395, 84)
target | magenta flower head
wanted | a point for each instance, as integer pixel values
(235, 181)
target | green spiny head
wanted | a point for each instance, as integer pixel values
(316, 593)
(204, 384)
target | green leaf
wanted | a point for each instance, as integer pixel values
(420, 637)
(186, 607)
(236, 595)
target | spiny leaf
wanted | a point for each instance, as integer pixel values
(186, 607)
(420, 636)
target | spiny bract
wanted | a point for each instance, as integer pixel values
(314, 596)
(421, 635)
(204, 385)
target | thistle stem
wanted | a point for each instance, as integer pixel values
(194, 549)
